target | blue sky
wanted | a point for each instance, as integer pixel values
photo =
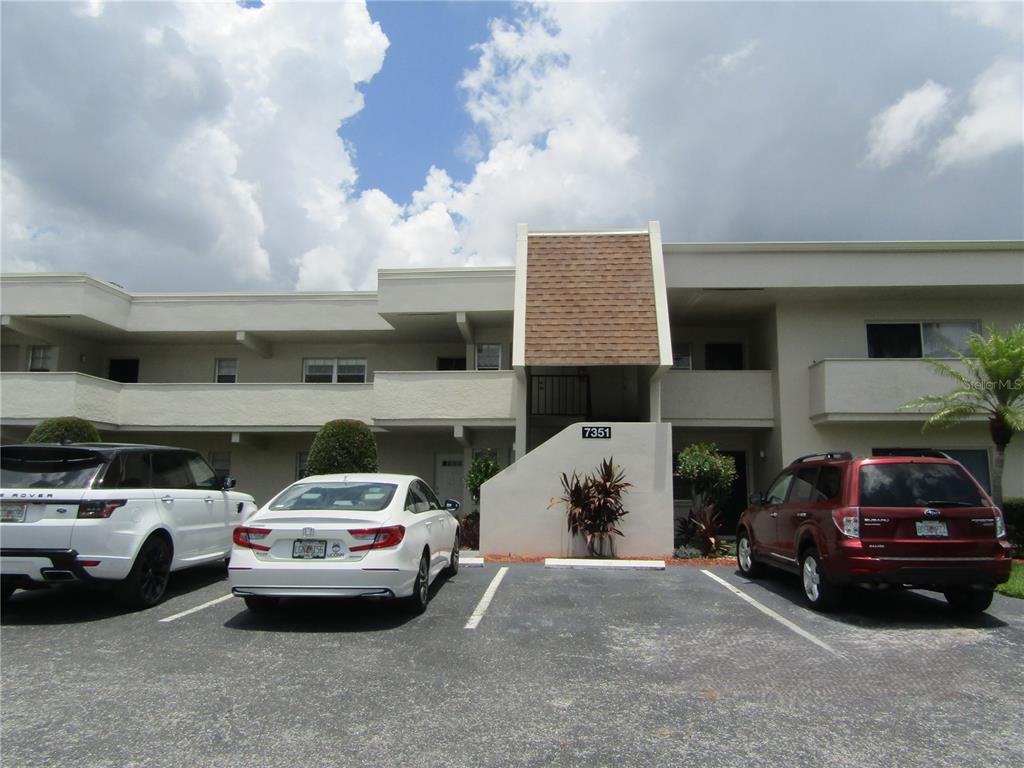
(190, 146)
(414, 115)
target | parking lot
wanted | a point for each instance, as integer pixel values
(674, 667)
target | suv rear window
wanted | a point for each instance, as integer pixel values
(917, 485)
(48, 467)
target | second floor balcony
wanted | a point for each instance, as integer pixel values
(718, 398)
(431, 396)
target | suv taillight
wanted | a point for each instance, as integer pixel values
(246, 537)
(1000, 524)
(378, 538)
(847, 520)
(99, 509)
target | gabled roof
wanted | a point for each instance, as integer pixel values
(590, 300)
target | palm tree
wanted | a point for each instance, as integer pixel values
(989, 382)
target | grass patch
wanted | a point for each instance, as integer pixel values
(1015, 586)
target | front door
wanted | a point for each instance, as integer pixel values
(448, 477)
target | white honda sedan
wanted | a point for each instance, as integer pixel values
(355, 535)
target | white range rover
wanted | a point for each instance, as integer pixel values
(111, 513)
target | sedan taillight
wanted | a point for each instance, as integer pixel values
(378, 538)
(99, 510)
(246, 537)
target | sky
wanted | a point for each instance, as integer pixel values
(278, 146)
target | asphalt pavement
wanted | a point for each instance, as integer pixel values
(563, 668)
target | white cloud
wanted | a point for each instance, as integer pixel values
(1005, 16)
(995, 122)
(729, 62)
(901, 128)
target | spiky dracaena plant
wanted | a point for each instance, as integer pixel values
(593, 506)
(990, 383)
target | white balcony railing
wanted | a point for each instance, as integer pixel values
(718, 398)
(413, 395)
(861, 390)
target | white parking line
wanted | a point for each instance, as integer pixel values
(769, 612)
(481, 607)
(197, 608)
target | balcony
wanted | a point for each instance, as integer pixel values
(870, 390)
(28, 397)
(718, 398)
(474, 397)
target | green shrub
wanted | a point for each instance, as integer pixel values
(341, 446)
(482, 469)
(61, 428)
(1013, 513)
(711, 476)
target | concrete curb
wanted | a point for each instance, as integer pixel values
(471, 562)
(635, 565)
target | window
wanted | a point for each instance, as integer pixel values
(322, 370)
(681, 356)
(429, 495)
(203, 475)
(975, 461)
(226, 370)
(451, 363)
(221, 462)
(932, 339)
(170, 470)
(488, 357)
(802, 491)
(830, 482)
(916, 485)
(300, 464)
(415, 501)
(129, 470)
(345, 497)
(723, 357)
(125, 371)
(777, 493)
(40, 358)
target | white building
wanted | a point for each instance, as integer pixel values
(771, 350)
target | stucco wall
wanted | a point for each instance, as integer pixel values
(718, 398)
(514, 504)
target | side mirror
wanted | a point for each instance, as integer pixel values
(451, 505)
(756, 499)
(227, 483)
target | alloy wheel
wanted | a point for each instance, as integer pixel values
(745, 554)
(812, 579)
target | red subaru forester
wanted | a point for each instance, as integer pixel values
(918, 521)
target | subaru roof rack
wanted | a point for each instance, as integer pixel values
(931, 453)
(827, 456)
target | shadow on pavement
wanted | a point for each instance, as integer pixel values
(325, 614)
(887, 609)
(78, 603)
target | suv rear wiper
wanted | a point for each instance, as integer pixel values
(948, 503)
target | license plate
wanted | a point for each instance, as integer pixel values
(931, 528)
(309, 549)
(13, 513)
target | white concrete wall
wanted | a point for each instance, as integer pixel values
(451, 395)
(36, 396)
(718, 398)
(480, 289)
(515, 518)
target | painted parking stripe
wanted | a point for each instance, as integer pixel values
(772, 614)
(197, 608)
(481, 607)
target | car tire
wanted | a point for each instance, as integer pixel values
(146, 583)
(416, 603)
(453, 564)
(819, 593)
(748, 566)
(261, 603)
(969, 599)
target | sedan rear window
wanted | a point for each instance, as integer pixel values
(917, 485)
(48, 467)
(354, 496)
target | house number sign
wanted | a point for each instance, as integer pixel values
(597, 433)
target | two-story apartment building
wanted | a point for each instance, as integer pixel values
(771, 350)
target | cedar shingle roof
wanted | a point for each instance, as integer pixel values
(590, 300)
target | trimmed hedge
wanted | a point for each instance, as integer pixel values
(342, 445)
(1013, 513)
(61, 428)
